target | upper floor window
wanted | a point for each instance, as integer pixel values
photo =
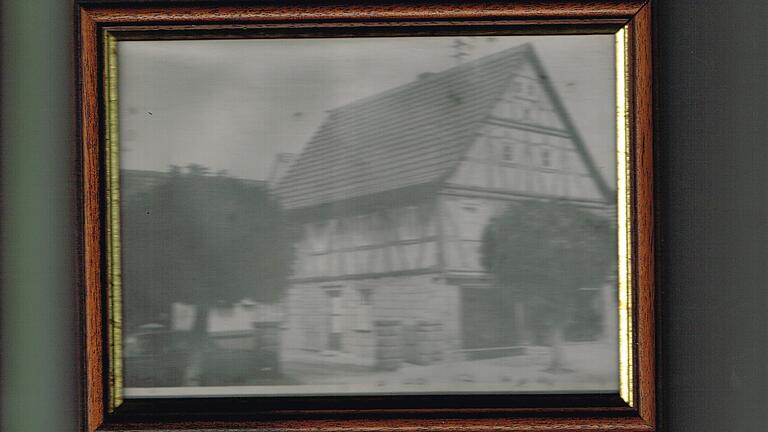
(526, 112)
(546, 158)
(472, 220)
(409, 223)
(344, 232)
(365, 296)
(364, 315)
(508, 153)
(506, 109)
(362, 230)
(528, 154)
(531, 89)
(318, 237)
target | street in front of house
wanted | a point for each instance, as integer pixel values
(586, 362)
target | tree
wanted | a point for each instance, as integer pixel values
(544, 251)
(203, 239)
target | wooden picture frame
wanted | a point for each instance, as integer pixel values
(634, 409)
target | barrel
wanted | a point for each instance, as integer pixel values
(389, 355)
(429, 341)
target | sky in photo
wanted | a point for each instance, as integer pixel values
(234, 104)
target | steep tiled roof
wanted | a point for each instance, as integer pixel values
(406, 136)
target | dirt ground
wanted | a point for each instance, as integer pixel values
(591, 367)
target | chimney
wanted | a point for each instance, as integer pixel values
(424, 75)
(280, 166)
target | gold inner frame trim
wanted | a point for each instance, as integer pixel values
(624, 219)
(114, 274)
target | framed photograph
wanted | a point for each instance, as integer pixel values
(401, 216)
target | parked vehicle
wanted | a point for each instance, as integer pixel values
(236, 357)
(155, 357)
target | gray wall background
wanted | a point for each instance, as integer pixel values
(712, 206)
(712, 177)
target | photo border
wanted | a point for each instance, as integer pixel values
(102, 24)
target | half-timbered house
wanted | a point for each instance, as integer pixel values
(393, 193)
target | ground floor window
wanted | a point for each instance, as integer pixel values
(336, 319)
(488, 318)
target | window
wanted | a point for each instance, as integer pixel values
(336, 317)
(364, 310)
(318, 236)
(365, 296)
(362, 230)
(545, 158)
(344, 230)
(409, 223)
(506, 109)
(531, 89)
(526, 113)
(472, 220)
(528, 154)
(508, 153)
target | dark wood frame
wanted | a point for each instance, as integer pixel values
(480, 412)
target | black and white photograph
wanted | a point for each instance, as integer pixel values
(380, 215)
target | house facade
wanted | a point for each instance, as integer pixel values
(393, 193)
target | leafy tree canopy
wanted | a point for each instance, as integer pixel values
(202, 239)
(546, 250)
